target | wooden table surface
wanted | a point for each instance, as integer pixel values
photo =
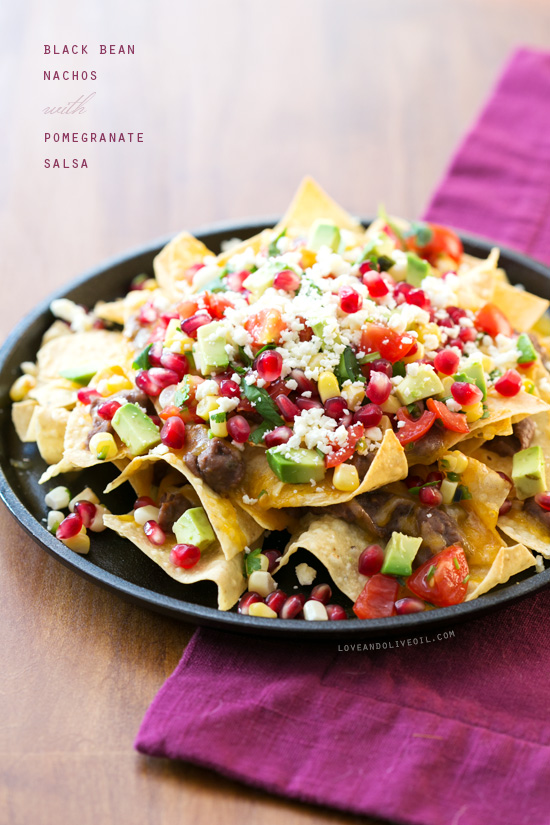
(236, 101)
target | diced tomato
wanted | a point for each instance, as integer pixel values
(187, 308)
(187, 414)
(391, 346)
(413, 429)
(451, 420)
(440, 580)
(492, 320)
(443, 242)
(377, 599)
(265, 326)
(215, 304)
(355, 432)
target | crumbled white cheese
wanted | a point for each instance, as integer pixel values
(305, 574)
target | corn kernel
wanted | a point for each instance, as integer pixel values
(103, 446)
(416, 356)
(21, 387)
(391, 405)
(107, 372)
(262, 610)
(262, 582)
(346, 478)
(528, 385)
(29, 368)
(461, 461)
(328, 386)
(79, 543)
(429, 329)
(354, 396)
(308, 258)
(206, 406)
(447, 382)
(448, 490)
(473, 412)
(114, 384)
(150, 284)
(487, 363)
(218, 423)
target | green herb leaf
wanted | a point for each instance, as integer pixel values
(453, 476)
(262, 493)
(385, 263)
(399, 369)
(273, 249)
(142, 361)
(370, 356)
(182, 393)
(263, 403)
(252, 562)
(263, 349)
(257, 435)
(215, 285)
(431, 572)
(244, 357)
(421, 232)
(416, 490)
(348, 368)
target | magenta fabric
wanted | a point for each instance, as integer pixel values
(443, 729)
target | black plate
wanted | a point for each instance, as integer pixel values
(114, 562)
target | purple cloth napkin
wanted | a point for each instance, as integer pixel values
(451, 728)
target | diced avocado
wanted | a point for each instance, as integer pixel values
(399, 554)
(529, 472)
(295, 465)
(319, 330)
(379, 245)
(417, 269)
(193, 527)
(79, 375)
(211, 343)
(473, 373)
(135, 429)
(526, 348)
(324, 233)
(421, 385)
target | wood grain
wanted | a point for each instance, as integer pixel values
(236, 102)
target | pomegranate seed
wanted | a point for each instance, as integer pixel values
(191, 325)
(505, 477)
(456, 313)
(287, 280)
(238, 428)
(414, 481)
(276, 600)
(350, 300)
(435, 476)
(308, 403)
(419, 298)
(166, 317)
(401, 291)
(293, 606)
(185, 555)
(155, 380)
(86, 510)
(229, 389)
(444, 322)
(371, 560)
(467, 334)
(155, 354)
(336, 613)
(304, 384)
(505, 507)
(446, 361)
(249, 598)
(409, 605)
(509, 384)
(378, 388)
(466, 394)
(175, 362)
(321, 593)
(269, 364)
(154, 533)
(108, 409)
(156, 420)
(147, 314)
(192, 270)
(86, 396)
(366, 266)
(280, 435)
(369, 416)
(144, 501)
(173, 433)
(375, 284)
(336, 407)
(543, 500)
(289, 411)
(235, 280)
(430, 496)
(457, 343)
(166, 397)
(69, 527)
(382, 365)
(273, 557)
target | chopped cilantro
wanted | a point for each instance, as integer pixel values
(244, 357)
(264, 404)
(182, 393)
(348, 368)
(262, 493)
(253, 562)
(273, 249)
(142, 361)
(421, 232)
(385, 263)
(453, 476)
(370, 356)
(257, 435)
(215, 285)
(399, 369)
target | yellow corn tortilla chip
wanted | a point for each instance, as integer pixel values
(54, 393)
(50, 424)
(234, 528)
(508, 562)
(57, 330)
(21, 414)
(114, 311)
(267, 519)
(174, 260)
(97, 348)
(255, 243)
(261, 483)
(522, 308)
(476, 281)
(311, 202)
(336, 544)
(523, 528)
(212, 566)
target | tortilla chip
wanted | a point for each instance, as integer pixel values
(97, 348)
(261, 483)
(54, 393)
(75, 451)
(21, 414)
(113, 311)
(336, 544)
(212, 566)
(522, 308)
(508, 562)
(487, 488)
(174, 260)
(523, 528)
(234, 528)
(311, 202)
(255, 243)
(57, 330)
(267, 519)
(477, 281)
(50, 424)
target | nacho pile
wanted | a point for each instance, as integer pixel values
(377, 393)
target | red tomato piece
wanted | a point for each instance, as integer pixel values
(391, 346)
(265, 326)
(413, 430)
(377, 599)
(215, 304)
(492, 320)
(441, 580)
(443, 242)
(187, 308)
(355, 432)
(456, 422)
